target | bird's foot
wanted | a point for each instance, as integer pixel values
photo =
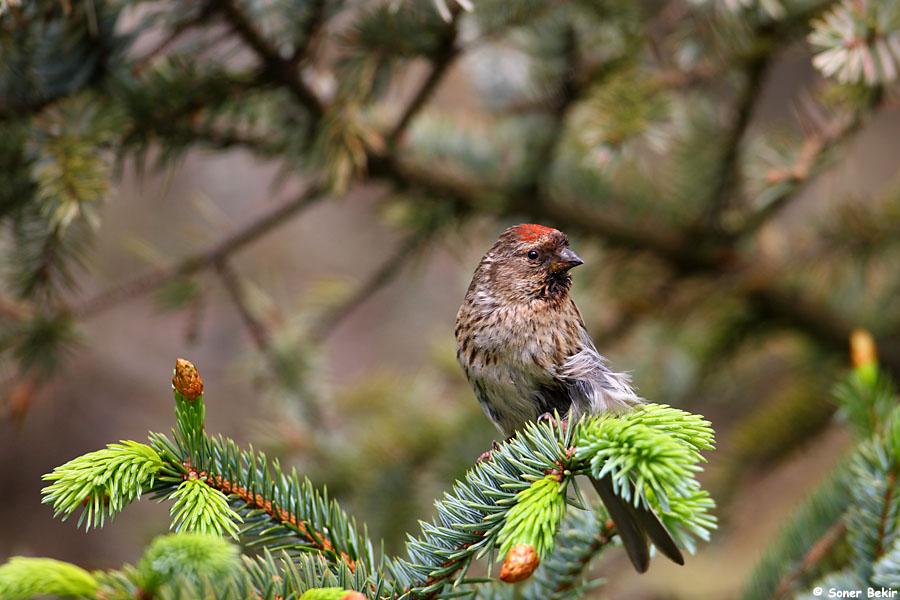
(487, 455)
(563, 424)
(547, 417)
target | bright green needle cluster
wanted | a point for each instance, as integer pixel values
(192, 555)
(203, 509)
(324, 594)
(25, 577)
(536, 516)
(103, 482)
(655, 447)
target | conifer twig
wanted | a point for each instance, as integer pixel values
(816, 553)
(310, 30)
(804, 170)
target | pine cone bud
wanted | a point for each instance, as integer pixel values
(862, 348)
(520, 563)
(353, 595)
(187, 380)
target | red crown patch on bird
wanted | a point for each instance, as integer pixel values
(531, 232)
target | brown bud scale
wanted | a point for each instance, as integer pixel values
(520, 563)
(862, 348)
(187, 380)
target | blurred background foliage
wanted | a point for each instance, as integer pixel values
(294, 194)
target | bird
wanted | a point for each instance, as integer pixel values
(525, 350)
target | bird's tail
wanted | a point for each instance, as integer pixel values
(635, 524)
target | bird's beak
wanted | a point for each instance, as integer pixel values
(565, 260)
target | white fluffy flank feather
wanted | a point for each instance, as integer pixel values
(598, 389)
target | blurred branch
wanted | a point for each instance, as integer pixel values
(198, 19)
(280, 70)
(680, 251)
(816, 553)
(261, 338)
(380, 278)
(235, 289)
(703, 72)
(15, 309)
(310, 30)
(201, 260)
(803, 172)
(727, 182)
(446, 53)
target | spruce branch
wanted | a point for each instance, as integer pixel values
(535, 517)
(583, 535)
(190, 411)
(513, 502)
(313, 24)
(816, 523)
(858, 42)
(818, 551)
(255, 502)
(192, 557)
(857, 505)
(198, 18)
(872, 521)
(472, 516)
(655, 448)
(282, 511)
(886, 572)
(866, 399)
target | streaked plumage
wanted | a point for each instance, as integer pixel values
(524, 348)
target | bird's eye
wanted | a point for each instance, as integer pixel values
(532, 254)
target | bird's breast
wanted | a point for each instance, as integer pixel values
(511, 356)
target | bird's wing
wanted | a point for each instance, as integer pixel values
(594, 387)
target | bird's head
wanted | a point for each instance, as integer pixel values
(527, 262)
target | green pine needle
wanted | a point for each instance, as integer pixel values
(886, 571)
(535, 517)
(324, 594)
(192, 555)
(103, 481)
(202, 509)
(874, 515)
(866, 398)
(25, 577)
(688, 518)
(656, 447)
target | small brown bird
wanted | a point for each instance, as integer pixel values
(525, 350)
